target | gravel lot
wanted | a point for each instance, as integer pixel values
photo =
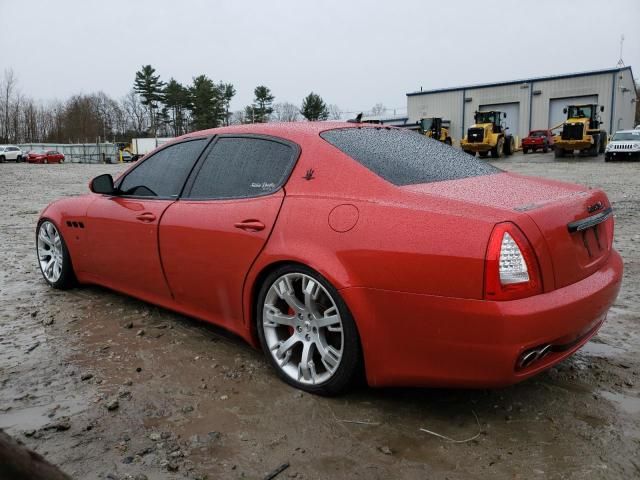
(106, 386)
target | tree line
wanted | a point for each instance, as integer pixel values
(152, 107)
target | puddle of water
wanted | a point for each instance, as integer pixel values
(34, 417)
(627, 403)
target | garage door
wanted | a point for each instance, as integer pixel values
(513, 115)
(557, 105)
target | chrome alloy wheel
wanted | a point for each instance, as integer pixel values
(303, 328)
(50, 253)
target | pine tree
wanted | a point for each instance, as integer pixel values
(262, 104)
(206, 103)
(228, 92)
(314, 108)
(149, 87)
(177, 101)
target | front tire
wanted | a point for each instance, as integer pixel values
(307, 332)
(53, 256)
(498, 151)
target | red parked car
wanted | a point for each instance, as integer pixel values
(339, 248)
(538, 140)
(45, 156)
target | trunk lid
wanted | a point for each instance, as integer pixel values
(554, 207)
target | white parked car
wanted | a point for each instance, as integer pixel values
(10, 153)
(624, 145)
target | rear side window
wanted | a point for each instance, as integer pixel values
(403, 157)
(240, 167)
(163, 174)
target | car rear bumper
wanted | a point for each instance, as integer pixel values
(423, 340)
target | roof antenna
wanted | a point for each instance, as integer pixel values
(620, 61)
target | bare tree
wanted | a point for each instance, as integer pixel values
(334, 112)
(135, 112)
(237, 118)
(378, 109)
(8, 87)
(285, 112)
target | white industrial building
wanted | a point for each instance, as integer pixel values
(536, 103)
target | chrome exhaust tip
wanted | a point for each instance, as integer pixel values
(531, 356)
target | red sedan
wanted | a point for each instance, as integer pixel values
(346, 248)
(45, 156)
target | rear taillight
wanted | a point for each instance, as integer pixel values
(511, 268)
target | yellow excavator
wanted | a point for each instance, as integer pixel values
(488, 135)
(435, 128)
(580, 131)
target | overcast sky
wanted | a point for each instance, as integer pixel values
(353, 53)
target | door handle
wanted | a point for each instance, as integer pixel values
(251, 225)
(146, 217)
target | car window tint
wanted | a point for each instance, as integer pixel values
(239, 167)
(403, 157)
(164, 173)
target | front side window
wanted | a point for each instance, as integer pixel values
(163, 174)
(582, 111)
(241, 167)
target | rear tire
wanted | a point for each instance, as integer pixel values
(603, 142)
(447, 141)
(525, 151)
(545, 149)
(593, 151)
(293, 310)
(2, 159)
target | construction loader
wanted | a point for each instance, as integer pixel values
(435, 128)
(580, 131)
(488, 135)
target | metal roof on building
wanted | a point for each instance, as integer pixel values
(526, 80)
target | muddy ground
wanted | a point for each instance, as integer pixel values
(106, 386)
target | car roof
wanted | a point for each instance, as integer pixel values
(289, 130)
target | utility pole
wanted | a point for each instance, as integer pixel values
(620, 61)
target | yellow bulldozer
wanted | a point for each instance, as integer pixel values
(488, 135)
(435, 128)
(580, 131)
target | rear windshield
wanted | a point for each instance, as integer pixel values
(404, 157)
(538, 133)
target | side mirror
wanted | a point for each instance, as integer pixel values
(102, 184)
(564, 110)
(602, 108)
(505, 114)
